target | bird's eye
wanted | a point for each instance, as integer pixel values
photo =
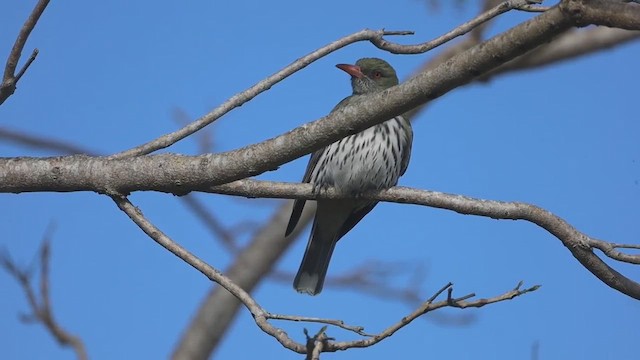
(377, 74)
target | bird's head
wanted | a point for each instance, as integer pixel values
(370, 75)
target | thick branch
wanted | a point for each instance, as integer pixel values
(567, 46)
(223, 291)
(180, 173)
(603, 12)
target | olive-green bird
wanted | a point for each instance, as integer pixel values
(372, 159)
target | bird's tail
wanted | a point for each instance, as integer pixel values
(322, 241)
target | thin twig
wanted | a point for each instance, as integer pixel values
(316, 343)
(10, 79)
(211, 273)
(41, 309)
(463, 304)
(609, 249)
(338, 323)
(625, 246)
(260, 315)
(426, 307)
(534, 8)
(26, 65)
(529, 5)
(374, 36)
(462, 29)
(379, 279)
(240, 98)
(43, 142)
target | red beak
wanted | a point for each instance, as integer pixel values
(353, 70)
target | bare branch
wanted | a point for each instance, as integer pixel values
(10, 78)
(375, 37)
(41, 310)
(462, 304)
(338, 323)
(567, 46)
(429, 306)
(245, 96)
(499, 9)
(534, 8)
(222, 291)
(211, 273)
(42, 142)
(271, 153)
(578, 243)
(176, 174)
(618, 14)
(379, 279)
(609, 249)
(316, 343)
(26, 65)
(219, 308)
(261, 316)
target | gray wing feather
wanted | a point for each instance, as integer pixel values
(408, 141)
(298, 204)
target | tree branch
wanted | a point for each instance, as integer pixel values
(10, 78)
(616, 14)
(43, 142)
(429, 306)
(468, 26)
(211, 273)
(215, 315)
(580, 245)
(282, 210)
(567, 46)
(41, 310)
(176, 174)
(374, 36)
(247, 95)
(261, 316)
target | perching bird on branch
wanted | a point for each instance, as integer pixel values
(372, 159)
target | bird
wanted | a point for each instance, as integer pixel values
(373, 159)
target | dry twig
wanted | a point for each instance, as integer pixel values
(41, 309)
(376, 37)
(261, 316)
(10, 78)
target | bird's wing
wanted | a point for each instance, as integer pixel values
(355, 218)
(406, 150)
(298, 204)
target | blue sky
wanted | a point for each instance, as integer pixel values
(110, 74)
